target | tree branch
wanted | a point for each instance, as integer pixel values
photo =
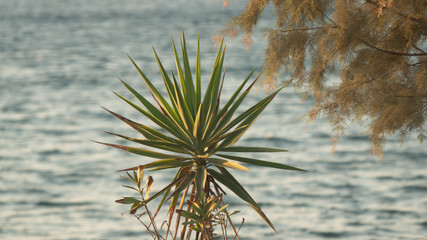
(371, 45)
(416, 20)
(305, 29)
(388, 51)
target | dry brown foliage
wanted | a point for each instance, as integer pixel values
(376, 47)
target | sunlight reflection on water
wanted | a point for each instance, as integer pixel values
(60, 61)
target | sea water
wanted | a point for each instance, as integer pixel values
(59, 62)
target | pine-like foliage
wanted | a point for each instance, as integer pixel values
(377, 47)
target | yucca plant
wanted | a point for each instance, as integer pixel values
(199, 135)
(204, 214)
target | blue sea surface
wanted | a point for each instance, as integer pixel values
(59, 63)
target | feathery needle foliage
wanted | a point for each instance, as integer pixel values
(200, 134)
(375, 48)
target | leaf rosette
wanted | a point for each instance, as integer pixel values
(197, 134)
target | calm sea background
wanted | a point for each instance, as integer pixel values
(59, 62)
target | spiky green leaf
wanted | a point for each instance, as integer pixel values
(188, 178)
(187, 83)
(251, 149)
(162, 121)
(231, 183)
(198, 74)
(167, 146)
(140, 151)
(149, 85)
(128, 200)
(146, 131)
(260, 163)
(191, 215)
(224, 163)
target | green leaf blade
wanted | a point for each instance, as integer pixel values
(231, 183)
(228, 164)
(187, 83)
(162, 145)
(251, 149)
(261, 163)
(198, 73)
(140, 151)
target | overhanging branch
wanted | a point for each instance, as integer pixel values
(373, 46)
(416, 20)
